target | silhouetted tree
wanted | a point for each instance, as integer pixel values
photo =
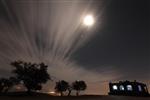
(32, 75)
(69, 90)
(79, 86)
(61, 86)
(2, 84)
(6, 84)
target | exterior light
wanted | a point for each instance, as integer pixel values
(129, 87)
(115, 87)
(121, 87)
(140, 88)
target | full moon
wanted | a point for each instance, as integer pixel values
(88, 20)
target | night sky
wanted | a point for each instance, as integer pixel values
(123, 41)
(120, 46)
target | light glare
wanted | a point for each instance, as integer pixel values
(88, 20)
(115, 87)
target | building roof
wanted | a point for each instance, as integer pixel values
(129, 82)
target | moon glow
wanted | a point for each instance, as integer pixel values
(88, 20)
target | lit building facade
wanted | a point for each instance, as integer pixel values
(128, 88)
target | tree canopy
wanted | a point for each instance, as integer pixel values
(61, 86)
(79, 86)
(32, 75)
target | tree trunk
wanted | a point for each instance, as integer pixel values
(6, 90)
(61, 93)
(69, 93)
(28, 91)
(1, 89)
(77, 93)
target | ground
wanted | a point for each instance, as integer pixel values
(48, 97)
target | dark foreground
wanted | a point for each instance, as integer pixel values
(49, 97)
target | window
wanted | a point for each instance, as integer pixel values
(121, 87)
(140, 88)
(129, 87)
(115, 87)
